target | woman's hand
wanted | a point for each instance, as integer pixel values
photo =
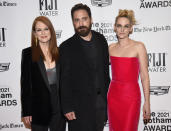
(27, 121)
(146, 112)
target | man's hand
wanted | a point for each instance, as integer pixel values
(70, 116)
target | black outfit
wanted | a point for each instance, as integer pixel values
(40, 94)
(85, 81)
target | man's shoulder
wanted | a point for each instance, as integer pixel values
(100, 37)
(67, 43)
(97, 33)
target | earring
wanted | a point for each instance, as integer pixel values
(36, 42)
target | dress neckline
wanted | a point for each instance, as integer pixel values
(124, 57)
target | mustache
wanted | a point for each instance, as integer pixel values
(82, 27)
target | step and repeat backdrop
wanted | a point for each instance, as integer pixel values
(153, 29)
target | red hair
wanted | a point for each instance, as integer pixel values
(36, 50)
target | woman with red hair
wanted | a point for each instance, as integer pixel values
(40, 79)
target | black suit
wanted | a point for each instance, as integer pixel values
(77, 79)
(36, 91)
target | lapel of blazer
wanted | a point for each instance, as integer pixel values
(57, 75)
(43, 72)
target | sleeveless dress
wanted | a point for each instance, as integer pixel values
(124, 98)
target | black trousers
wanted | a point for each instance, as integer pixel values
(57, 122)
(100, 116)
(100, 113)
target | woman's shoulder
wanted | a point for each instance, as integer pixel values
(27, 50)
(112, 45)
(138, 44)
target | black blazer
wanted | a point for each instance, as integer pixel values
(76, 81)
(35, 89)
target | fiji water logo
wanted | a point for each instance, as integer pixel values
(101, 3)
(157, 62)
(48, 7)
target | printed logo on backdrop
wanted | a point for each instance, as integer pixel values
(6, 97)
(105, 28)
(159, 90)
(162, 28)
(4, 67)
(58, 34)
(48, 7)
(7, 3)
(160, 121)
(157, 62)
(3, 37)
(154, 4)
(11, 125)
(101, 3)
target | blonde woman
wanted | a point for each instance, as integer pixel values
(128, 60)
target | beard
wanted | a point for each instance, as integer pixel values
(83, 30)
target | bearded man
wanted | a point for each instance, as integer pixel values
(84, 77)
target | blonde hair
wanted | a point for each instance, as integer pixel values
(127, 14)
